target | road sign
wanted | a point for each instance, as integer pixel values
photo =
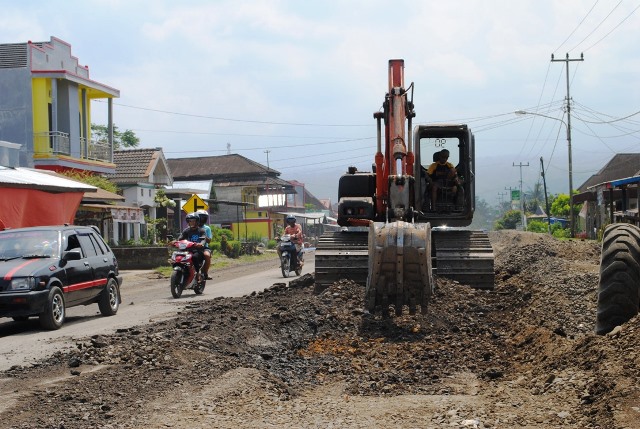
(194, 204)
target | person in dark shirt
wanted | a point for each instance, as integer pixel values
(443, 175)
(195, 233)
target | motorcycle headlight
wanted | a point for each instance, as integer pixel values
(23, 283)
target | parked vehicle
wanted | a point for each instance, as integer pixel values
(186, 275)
(289, 256)
(45, 270)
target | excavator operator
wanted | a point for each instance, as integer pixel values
(443, 175)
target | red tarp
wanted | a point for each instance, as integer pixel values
(29, 207)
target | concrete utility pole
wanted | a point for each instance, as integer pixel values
(524, 216)
(546, 200)
(568, 107)
(267, 152)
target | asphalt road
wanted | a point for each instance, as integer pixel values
(144, 300)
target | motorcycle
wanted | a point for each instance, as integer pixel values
(289, 256)
(185, 274)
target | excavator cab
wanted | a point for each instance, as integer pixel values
(444, 199)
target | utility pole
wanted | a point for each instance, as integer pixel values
(267, 152)
(568, 107)
(524, 217)
(546, 199)
(501, 198)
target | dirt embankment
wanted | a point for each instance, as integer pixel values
(523, 355)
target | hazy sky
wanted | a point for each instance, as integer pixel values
(301, 79)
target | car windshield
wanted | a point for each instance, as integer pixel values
(29, 244)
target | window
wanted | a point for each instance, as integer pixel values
(87, 245)
(142, 192)
(149, 192)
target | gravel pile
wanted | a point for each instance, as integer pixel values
(522, 355)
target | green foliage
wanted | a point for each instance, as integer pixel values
(162, 200)
(559, 232)
(234, 249)
(509, 220)
(91, 179)
(537, 226)
(560, 206)
(121, 140)
(218, 233)
(271, 244)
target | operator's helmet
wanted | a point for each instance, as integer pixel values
(203, 216)
(291, 220)
(192, 216)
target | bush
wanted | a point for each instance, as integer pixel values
(559, 232)
(271, 244)
(537, 226)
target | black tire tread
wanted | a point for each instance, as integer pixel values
(619, 284)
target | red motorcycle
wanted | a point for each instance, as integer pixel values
(186, 275)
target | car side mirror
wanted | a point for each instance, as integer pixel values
(72, 255)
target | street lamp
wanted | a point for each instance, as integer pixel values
(568, 127)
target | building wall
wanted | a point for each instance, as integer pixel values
(15, 112)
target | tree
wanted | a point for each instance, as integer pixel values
(536, 198)
(560, 206)
(91, 179)
(509, 220)
(484, 215)
(121, 140)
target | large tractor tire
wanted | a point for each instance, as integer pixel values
(619, 286)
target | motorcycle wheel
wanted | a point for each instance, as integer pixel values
(285, 265)
(176, 284)
(299, 268)
(198, 288)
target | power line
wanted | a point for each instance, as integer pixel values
(218, 118)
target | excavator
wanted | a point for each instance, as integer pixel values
(399, 227)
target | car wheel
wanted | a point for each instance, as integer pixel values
(110, 298)
(54, 313)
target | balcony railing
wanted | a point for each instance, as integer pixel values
(96, 150)
(56, 141)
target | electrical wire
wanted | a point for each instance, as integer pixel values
(597, 26)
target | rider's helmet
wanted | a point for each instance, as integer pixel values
(190, 217)
(203, 217)
(291, 220)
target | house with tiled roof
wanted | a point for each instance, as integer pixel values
(139, 174)
(611, 194)
(248, 195)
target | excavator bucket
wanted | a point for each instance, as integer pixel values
(400, 271)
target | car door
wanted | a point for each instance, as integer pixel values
(98, 262)
(79, 275)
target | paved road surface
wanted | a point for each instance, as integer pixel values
(144, 300)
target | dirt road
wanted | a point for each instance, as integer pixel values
(523, 355)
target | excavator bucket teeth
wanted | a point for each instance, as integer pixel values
(400, 272)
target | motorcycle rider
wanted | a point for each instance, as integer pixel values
(195, 233)
(203, 217)
(295, 232)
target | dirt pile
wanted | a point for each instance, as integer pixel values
(522, 355)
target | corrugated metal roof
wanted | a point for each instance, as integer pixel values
(29, 178)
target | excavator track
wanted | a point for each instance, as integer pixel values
(462, 255)
(465, 256)
(341, 255)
